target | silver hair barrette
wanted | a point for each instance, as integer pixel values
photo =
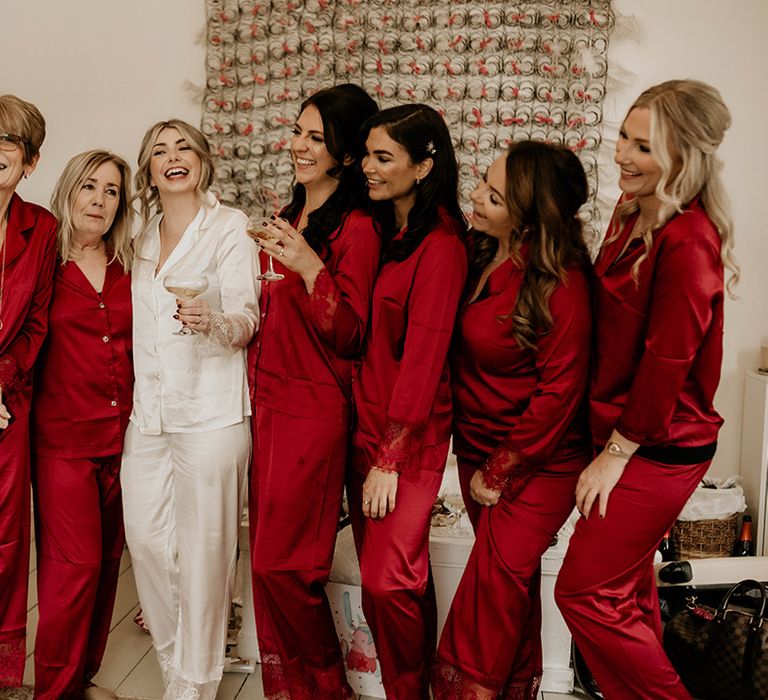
(431, 148)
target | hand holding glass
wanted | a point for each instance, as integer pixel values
(258, 232)
(186, 287)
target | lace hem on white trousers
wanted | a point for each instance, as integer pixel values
(177, 688)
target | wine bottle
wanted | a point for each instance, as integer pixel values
(745, 547)
(666, 547)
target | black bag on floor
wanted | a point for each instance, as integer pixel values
(722, 654)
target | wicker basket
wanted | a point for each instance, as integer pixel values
(702, 539)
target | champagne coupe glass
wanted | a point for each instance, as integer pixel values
(185, 287)
(257, 231)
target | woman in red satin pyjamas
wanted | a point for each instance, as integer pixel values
(656, 365)
(402, 393)
(520, 362)
(313, 323)
(82, 401)
(27, 258)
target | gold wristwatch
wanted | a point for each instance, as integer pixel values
(615, 450)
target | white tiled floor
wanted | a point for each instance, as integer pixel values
(130, 667)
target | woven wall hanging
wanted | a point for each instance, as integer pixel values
(497, 71)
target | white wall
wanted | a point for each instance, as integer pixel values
(102, 71)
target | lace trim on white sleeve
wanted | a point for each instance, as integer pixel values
(231, 330)
(227, 333)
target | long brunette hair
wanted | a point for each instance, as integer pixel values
(342, 109)
(545, 187)
(422, 132)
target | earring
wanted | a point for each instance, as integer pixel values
(418, 180)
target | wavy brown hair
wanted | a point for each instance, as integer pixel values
(688, 119)
(545, 187)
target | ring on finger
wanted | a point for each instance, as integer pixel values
(366, 503)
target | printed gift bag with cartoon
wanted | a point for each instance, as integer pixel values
(357, 645)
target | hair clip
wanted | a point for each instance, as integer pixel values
(431, 148)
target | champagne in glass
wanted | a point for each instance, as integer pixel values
(257, 232)
(185, 287)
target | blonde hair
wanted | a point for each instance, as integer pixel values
(71, 181)
(688, 120)
(146, 193)
(23, 119)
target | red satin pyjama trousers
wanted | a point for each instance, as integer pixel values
(79, 538)
(297, 483)
(397, 589)
(606, 588)
(491, 642)
(14, 548)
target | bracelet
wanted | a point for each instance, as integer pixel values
(385, 471)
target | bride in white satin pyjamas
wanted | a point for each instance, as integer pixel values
(188, 443)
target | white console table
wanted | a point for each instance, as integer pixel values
(754, 455)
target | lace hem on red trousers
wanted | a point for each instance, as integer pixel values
(299, 681)
(12, 656)
(451, 683)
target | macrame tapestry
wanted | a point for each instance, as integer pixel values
(497, 71)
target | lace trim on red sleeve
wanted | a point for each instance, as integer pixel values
(503, 471)
(397, 449)
(497, 468)
(495, 482)
(8, 372)
(518, 479)
(11, 379)
(322, 302)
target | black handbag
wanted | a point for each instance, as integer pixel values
(722, 654)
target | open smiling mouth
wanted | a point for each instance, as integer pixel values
(177, 172)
